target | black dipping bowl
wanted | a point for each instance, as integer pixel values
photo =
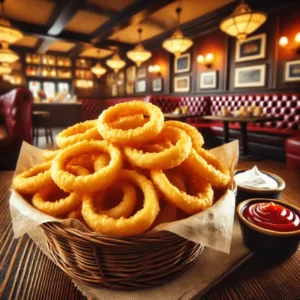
(244, 193)
(274, 244)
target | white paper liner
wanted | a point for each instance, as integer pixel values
(211, 228)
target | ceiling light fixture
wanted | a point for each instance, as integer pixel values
(98, 70)
(177, 43)
(5, 69)
(116, 63)
(6, 55)
(139, 54)
(243, 21)
(8, 33)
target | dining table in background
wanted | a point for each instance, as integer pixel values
(181, 117)
(26, 273)
(243, 122)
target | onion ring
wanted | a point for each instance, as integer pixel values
(57, 208)
(129, 122)
(82, 131)
(192, 132)
(76, 213)
(139, 135)
(36, 178)
(94, 182)
(101, 161)
(166, 159)
(50, 154)
(122, 227)
(188, 203)
(125, 207)
(204, 164)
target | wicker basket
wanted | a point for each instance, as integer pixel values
(120, 263)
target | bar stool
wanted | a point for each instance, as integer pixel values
(40, 119)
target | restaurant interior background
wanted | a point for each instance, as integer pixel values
(56, 61)
(78, 52)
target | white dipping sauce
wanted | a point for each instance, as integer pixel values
(255, 179)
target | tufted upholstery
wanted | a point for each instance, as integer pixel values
(196, 104)
(15, 108)
(285, 106)
(166, 103)
(91, 108)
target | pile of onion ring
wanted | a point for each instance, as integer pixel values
(125, 172)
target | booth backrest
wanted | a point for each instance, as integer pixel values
(16, 107)
(166, 103)
(195, 104)
(92, 108)
(286, 106)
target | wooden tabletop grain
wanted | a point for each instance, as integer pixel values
(25, 273)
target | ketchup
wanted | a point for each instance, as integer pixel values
(272, 216)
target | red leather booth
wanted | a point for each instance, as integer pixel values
(292, 149)
(265, 138)
(15, 126)
(92, 108)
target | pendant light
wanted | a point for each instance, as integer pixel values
(139, 54)
(116, 63)
(8, 33)
(177, 43)
(5, 69)
(6, 55)
(98, 70)
(243, 21)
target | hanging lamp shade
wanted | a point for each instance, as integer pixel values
(177, 43)
(8, 33)
(116, 63)
(98, 70)
(6, 55)
(139, 54)
(242, 21)
(5, 69)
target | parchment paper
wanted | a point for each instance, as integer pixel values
(211, 228)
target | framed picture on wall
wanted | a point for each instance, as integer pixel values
(252, 76)
(157, 84)
(182, 84)
(292, 71)
(141, 72)
(251, 48)
(140, 86)
(182, 63)
(208, 80)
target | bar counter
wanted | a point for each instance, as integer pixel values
(62, 114)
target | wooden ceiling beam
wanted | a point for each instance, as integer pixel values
(99, 9)
(63, 13)
(109, 44)
(134, 13)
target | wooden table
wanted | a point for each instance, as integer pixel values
(243, 121)
(181, 117)
(28, 274)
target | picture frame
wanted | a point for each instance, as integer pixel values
(141, 72)
(140, 86)
(252, 48)
(292, 71)
(157, 84)
(208, 80)
(251, 76)
(182, 84)
(182, 64)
